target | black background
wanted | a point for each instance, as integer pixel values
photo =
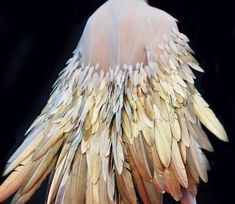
(38, 37)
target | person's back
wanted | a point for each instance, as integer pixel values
(120, 31)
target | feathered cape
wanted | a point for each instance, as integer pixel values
(122, 136)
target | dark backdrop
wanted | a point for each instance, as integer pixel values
(38, 37)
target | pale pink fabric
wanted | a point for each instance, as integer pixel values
(120, 31)
(187, 198)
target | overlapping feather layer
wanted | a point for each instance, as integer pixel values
(131, 133)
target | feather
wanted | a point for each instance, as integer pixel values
(154, 197)
(158, 165)
(208, 118)
(164, 110)
(163, 147)
(47, 142)
(95, 167)
(23, 198)
(138, 180)
(183, 151)
(158, 180)
(139, 156)
(41, 168)
(192, 166)
(196, 67)
(200, 136)
(126, 124)
(143, 119)
(76, 190)
(172, 185)
(178, 165)
(14, 181)
(148, 106)
(184, 129)
(111, 184)
(175, 129)
(199, 160)
(165, 131)
(56, 179)
(189, 113)
(126, 186)
(117, 150)
(102, 191)
(148, 134)
(24, 151)
(192, 184)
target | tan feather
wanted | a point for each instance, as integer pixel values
(102, 191)
(148, 106)
(200, 136)
(56, 179)
(117, 150)
(78, 175)
(172, 185)
(143, 119)
(95, 167)
(208, 118)
(21, 197)
(111, 185)
(138, 181)
(46, 143)
(178, 165)
(24, 151)
(158, 166)
(199, 160)
(164, 110)
(183, 151)
(192, 184)
(148, 134)
(163, 147)
(154, 197)
(164, 129)
(14, 181)
(41, 167)
(192, 166)
(158, 180)
(139, 158)
(126, 186)
(175, 129)
(63, 152)
(184, 130)
(127, 125)
(189, 113)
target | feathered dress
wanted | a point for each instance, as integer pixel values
(123, 123)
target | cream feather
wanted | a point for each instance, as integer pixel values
(208, 118)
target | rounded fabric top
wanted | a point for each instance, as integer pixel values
(121, 31)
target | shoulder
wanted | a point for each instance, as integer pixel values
(99, 14)
(161, 17)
